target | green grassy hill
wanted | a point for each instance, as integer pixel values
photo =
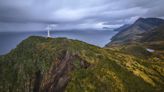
(41, 64)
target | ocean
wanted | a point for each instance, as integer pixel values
(9, 40)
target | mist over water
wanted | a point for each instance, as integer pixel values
(9, 40)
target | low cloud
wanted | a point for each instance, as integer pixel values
(75, 14)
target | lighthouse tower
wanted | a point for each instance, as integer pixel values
(49, 28)
(48, 31)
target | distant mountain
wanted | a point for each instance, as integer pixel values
(154, 39)
(156, 34)
(134, 31)
(124, 27)
(40, 64)
(144, 33)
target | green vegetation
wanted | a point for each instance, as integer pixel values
(45, 64)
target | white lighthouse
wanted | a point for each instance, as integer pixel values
(49, 28)
(48, 31)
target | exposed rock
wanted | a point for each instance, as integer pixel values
(59, 74)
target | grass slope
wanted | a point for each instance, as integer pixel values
(41, 64)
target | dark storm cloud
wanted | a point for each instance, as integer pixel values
(68, 14)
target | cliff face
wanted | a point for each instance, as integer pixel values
(41, 64)
(58, 77)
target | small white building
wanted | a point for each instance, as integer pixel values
(150, 50)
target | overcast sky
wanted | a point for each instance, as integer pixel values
(30, 15)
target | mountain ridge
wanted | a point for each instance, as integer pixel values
(133, 33)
